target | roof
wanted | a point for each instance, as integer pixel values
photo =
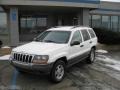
(58, 3)
(67, 28)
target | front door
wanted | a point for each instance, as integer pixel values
(75, 51)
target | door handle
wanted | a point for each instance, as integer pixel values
(90, 41)
(81, 45)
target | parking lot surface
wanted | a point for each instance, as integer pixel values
(104, 74)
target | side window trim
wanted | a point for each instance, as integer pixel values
(88, 34)
(92, 32)
(81, 36)
(88, 30)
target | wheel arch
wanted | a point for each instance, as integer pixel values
(64, 59)
(94, 47)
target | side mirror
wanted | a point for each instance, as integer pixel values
(75, 43)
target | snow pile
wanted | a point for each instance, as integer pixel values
(6, 57)
(101, 51)
(115, 64)
(6, 47)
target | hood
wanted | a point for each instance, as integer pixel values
(38, 48)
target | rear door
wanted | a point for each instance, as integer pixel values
(86, 42)
(93, 37)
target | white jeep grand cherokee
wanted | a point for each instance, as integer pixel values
(55, 50)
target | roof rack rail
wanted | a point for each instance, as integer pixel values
(56, 26)
(79, 26)
(72, 27)
(60, 26)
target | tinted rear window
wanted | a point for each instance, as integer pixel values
(91, 33)
(85, 35)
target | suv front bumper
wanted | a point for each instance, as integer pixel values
(30, 67)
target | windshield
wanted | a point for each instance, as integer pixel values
(54, 36)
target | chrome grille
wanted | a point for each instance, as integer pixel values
(23, 57)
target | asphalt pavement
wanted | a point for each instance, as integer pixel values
(104, 74)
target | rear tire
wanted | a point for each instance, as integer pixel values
(58, 72)
(91, 57)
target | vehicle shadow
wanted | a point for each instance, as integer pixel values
(42, 81)
(79, 65)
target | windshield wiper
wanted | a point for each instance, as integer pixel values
(49, 41)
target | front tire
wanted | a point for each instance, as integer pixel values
(58, 72)
(91, 57)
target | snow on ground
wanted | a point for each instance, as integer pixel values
(115, 64)
(6, 57)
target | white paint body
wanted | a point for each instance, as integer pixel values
(56, 51)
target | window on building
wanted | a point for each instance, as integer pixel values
(85, 35)
(31, 22)
(42, 22)
(75, 21)
(3, 20)
(114, 23)
(90, 20)
(96, 21)
(31, 26)
(119, 24)
(106, 22)
(4, 33)
(23, 22)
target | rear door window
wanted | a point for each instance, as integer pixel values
(85, 35)
(91, 33)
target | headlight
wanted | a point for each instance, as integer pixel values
(41, 59)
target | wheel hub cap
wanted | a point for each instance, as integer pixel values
(59, 72)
